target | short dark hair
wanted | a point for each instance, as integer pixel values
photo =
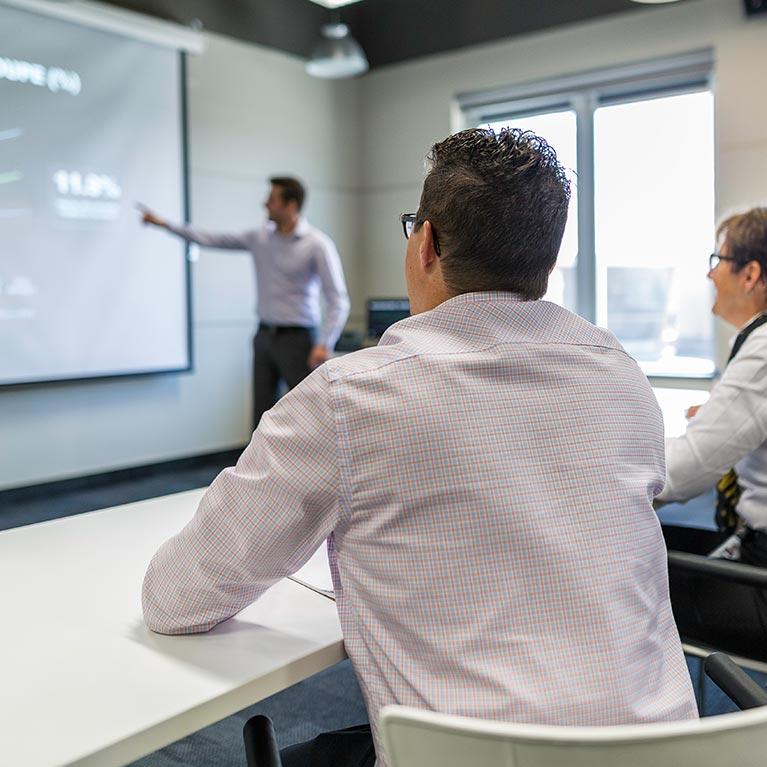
(498, 204)
(291, 189)
(746, 238)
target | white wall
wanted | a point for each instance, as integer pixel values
(406, 108)
(252, 113)
(360, 147)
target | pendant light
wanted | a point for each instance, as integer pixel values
(337, 55)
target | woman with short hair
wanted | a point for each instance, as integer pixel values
(725, 445)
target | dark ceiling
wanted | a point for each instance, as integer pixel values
(389, 30)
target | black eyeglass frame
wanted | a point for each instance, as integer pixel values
(409, 221)
(715, 258)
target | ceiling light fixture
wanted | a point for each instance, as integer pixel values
(337, 55)
(655, 2)
(334, 3)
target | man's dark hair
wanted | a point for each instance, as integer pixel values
(291, 189)
(498, 205)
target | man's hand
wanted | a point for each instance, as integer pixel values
(318, 355)
(147, 217)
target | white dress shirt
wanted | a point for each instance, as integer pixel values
(291, 270)
(730, 430)
(485, 476)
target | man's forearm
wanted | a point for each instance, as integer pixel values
(258, 521)
(336, 315)
(208, 239)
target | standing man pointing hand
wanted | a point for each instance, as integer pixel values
(293, 263)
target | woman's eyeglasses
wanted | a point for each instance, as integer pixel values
(715, 258)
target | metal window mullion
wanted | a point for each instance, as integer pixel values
(613, 96)
(586, 266)
(497, 112)
(662, 72)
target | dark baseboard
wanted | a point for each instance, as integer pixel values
(104, 479)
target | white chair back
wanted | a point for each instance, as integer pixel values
(414, 738)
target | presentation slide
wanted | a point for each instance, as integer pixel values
(90, 123)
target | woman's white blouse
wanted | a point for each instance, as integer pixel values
(730, 430)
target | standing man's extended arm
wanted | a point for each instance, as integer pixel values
(258, 522)
(336, 301)
(206, 239)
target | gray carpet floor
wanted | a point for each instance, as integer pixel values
(28, 505)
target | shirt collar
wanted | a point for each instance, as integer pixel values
(301, 230)
(485, 296)
(746, 324)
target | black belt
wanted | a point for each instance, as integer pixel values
(280, 328)
(753, 548)
(758, 536)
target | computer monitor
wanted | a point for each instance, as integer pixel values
(383, 312)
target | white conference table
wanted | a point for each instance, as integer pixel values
(674, 403)
(83, 682)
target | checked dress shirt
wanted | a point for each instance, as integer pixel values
(484, 478)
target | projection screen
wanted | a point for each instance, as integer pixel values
(90, 122)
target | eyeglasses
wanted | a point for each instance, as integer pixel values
(715, 258)
(408, 221)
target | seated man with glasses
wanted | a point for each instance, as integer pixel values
(484, 477)
(725, 444)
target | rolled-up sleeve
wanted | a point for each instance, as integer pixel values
(258, 522)
(732, 424)
(331, 276)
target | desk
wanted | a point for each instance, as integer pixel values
(674, 403)
(83, 681)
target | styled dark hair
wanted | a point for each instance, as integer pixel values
(498, 205)
(746, 237)
(291, 189)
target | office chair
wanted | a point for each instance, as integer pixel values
(261, 743)
(734, 682)
(414, 738)
(720, 605)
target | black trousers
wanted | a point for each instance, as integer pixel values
(352, 747)
(753, 549)
(280, 353)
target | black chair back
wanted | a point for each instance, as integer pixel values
(719, 605)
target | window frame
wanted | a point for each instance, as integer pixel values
(583, 94)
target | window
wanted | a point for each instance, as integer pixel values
(558, 128)
(639, 144)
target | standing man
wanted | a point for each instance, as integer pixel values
(293, 262)
(484, 475)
